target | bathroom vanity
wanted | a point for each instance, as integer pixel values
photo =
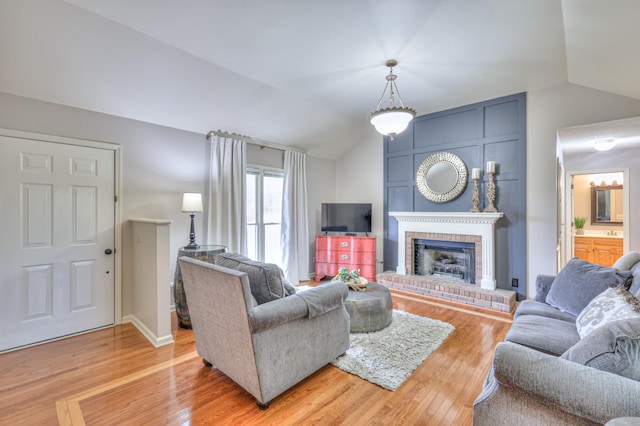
(604, 250)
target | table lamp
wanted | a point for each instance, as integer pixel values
(192, 204)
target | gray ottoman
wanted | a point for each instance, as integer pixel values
(370, 310)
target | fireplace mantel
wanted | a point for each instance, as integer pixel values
(455, 223)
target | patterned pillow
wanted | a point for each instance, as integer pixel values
(611, 305)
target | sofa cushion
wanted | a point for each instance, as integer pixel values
(549, 335)
(580, 281)
(531, 307)
(266, 280)
(614, 348)
(627, 260)
(611, 305)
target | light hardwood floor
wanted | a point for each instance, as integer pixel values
(115, 377)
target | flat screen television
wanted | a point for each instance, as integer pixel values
(346, 217)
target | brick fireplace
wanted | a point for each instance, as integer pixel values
(474, 230)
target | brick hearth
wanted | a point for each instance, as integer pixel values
(498, 300)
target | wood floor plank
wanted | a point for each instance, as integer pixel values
(114, 376)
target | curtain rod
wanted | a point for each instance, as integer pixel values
(258, 142)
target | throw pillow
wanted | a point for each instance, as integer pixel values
(635, 283)
(627, 260)
(614, 348)
(580, 281)
(610, 305)
(265, 279)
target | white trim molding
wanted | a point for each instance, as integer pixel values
(454, 223)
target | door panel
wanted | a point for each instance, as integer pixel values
(56, 220)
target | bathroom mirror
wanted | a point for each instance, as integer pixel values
(606, 205)
(441, 177)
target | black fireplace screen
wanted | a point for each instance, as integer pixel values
(448, 259)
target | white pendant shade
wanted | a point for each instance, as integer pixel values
(392, 122)
(192, 202)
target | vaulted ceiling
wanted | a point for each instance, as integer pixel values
(306, 73)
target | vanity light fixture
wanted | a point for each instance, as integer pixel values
(604, 144)
(394, 119)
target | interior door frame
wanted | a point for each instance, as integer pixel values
(567, 250)
(117, 150)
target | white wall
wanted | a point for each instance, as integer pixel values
(322, 176)
(361, 180)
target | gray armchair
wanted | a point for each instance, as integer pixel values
(266, 348)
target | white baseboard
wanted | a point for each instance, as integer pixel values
(148, 334)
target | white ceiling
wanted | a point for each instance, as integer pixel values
(306, 73)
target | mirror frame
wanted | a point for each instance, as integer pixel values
(594, 192)
(457, 187)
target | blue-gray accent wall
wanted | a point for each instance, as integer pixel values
(493, 130)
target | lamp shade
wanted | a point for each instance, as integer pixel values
(192, 202)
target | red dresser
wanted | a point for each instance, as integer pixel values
(335, 252)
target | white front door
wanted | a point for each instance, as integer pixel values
(56, 230)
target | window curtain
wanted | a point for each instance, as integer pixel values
(226, 213)
(295, 223)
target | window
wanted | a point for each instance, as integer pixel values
(264, 214)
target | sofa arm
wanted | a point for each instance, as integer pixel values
(576, 389)
(281, 311)
(543, 285)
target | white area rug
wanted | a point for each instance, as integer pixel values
(387, 357)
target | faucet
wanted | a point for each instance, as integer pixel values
(612, 233)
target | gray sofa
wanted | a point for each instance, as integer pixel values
(548, 372)
(250, 324)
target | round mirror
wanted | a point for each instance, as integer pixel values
(441, 177)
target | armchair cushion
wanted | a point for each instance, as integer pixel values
(614, 348)
(266, 280)
(580, 281)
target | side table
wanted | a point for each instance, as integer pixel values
(204, 253)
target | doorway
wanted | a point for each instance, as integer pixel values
(57, 220)
(601, 199)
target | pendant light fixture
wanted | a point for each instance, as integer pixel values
(394, 119)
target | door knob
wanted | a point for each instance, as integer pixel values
(108, 251)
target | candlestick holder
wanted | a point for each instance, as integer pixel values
(475, 197)
(491, 193)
